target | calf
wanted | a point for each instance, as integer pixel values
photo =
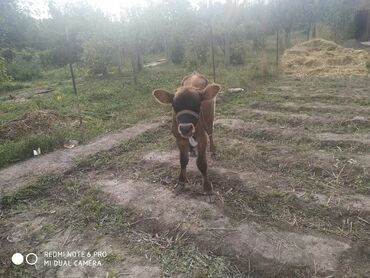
(192, 119)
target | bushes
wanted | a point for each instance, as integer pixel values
(177, 51)
(21, 66)
(3, 75)
(196, 54)
(24, 69)
(97, 54)
(8, 54)
(9, 86)
(46, 58)
(238, 56)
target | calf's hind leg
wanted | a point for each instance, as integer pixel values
(211, 143)
(208, 109)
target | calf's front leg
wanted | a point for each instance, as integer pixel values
(184, 159)
(202, 164)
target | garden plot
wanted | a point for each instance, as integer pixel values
(290, 200)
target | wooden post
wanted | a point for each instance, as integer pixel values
(368, 26)
(213, 53)
(277, 50)
(73, 79)
(72, 75)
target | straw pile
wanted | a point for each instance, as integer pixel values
(33, 122)
(324, 58)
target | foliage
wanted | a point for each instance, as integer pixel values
(46, 58)
(78, 30)
(9, 86)
(177, 51)
(3, 75)
(8, 54)
(340, 18)
(97, 54)
(238, 55)
(25, 66)
(16, 28)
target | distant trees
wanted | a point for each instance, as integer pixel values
(97, 54)
(80, 33)
(3, 75)
(16, 28)
(340, 18)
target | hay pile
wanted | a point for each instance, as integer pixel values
(33, 122)
(324, 58)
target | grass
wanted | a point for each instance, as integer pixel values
(6, 87)
(112, 102)
(107, 104)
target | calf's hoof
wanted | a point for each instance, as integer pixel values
(210, 197)
(179, 187)
(215, 156)
(208, 191)
(193, 153)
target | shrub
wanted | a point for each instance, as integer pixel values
(9, 86)
(3, 75)
(46, 58)
(97, 54)
(237, 56)
(24, 70)
(177, 51)
(196, 54)
(8, 55)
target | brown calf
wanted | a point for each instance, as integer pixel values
(193, 114)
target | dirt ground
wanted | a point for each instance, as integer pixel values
(292, 194)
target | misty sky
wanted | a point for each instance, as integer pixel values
(112, 7)
(38, 8)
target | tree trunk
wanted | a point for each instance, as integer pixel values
(213, 55)
(69, 51)
(227, 49)
(120, 66)
(314, 31)
(139, 61)
(308, 31)
(287, 38)
(134, 66)
(277, 50)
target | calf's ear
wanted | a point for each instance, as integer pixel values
(210, 92)
(162, 96)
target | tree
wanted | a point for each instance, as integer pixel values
(97, 54)
(340, 18)
(16, 28)
(3, 75)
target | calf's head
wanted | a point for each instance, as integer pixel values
(186, 104)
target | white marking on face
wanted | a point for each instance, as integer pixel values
(190, 132)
